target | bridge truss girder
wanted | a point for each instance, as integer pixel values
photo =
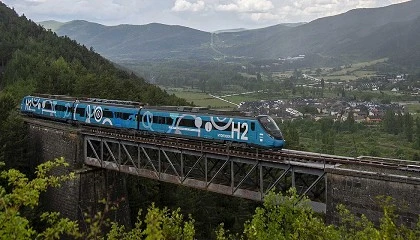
(217, 172)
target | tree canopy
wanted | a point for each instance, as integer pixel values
(33, 59)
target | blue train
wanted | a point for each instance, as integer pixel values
(188, 122)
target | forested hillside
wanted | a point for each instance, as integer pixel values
(35, 60)
(137, 42)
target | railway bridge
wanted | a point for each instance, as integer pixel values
(247, 173)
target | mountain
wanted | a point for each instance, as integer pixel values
(357, 34)
(52, 25)
(127, 42)
(340, 35)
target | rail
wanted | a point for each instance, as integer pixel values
(283, 155)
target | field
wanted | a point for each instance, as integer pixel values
(356, 67)
(201, 99)
(234, 96)
(205, 100)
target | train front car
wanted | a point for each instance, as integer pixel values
(269, 135)
(242, 130)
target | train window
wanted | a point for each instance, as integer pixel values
(108, 114)
(60, 108)
(229, 129)
(80, 111)
(252, 126)
(187, 123)
(161, 120)
(48, 105)
(126, 116)
(169, 121)
(155, 119)
(270, 126)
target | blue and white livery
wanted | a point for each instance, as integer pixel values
(261, 131)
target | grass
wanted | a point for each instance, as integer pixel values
(413, 108)
(365, 142)
(358, 66)
(204, 100)
(201, 99)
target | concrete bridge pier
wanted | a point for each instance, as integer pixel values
(358, 188)
(79, 198)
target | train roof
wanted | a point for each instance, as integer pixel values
(133, 104)
(201, 110)
(52, 96)
(110, 102)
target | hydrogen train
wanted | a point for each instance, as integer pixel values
(188, 122)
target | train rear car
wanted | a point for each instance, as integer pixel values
(48, 106)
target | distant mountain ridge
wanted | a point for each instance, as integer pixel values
(356, 34)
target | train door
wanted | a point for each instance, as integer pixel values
(159, 123)
(118, 117)
(79, 112)
(252, 133)
(128, 118)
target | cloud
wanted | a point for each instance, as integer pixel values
(183, 5)
(246, 6)
(308, 10)
(199, 14)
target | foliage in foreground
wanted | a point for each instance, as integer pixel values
(21, 192)
(281, 217)
(288, 217)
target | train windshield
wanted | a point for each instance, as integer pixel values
(270, 126)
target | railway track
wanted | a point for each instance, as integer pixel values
(283, 155)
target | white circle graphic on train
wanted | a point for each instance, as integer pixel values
(221, 120)
(98, 114)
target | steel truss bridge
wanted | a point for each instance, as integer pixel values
(246, 173)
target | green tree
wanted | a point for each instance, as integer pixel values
(12, 133)
(25, 193)
(350, 122)
(408, 126)
(159, 224)
(389, 121)
(287, 217)
(355, 228)
(417, 142)
(22, 192)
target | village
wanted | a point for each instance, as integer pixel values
(298, 108)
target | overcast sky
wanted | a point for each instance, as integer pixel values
(207, 15)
